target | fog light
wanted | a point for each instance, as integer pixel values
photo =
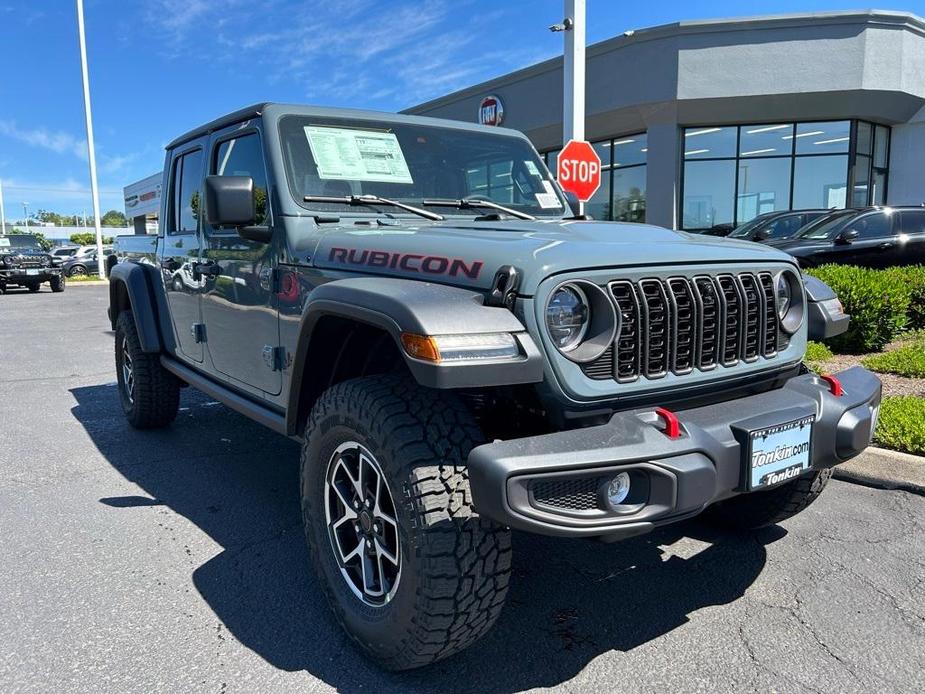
(618, 489)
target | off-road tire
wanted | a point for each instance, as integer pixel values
(760, 509)
(156, 391)
(33, 287)
(455, 564)
(57, 283)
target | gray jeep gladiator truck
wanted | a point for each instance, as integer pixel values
(25, 263)
(460, 354)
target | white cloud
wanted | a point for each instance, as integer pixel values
(55, 141)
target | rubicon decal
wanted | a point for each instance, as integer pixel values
(408, 262)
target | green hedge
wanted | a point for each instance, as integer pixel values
(901, 425)
(878, 302)
(912, 280)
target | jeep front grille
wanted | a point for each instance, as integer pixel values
(680, 324)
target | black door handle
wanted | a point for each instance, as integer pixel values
(886, 244)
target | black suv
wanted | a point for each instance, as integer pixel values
(868, 236)
(775, 226)
(25, 263)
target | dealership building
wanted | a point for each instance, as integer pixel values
(705, 123)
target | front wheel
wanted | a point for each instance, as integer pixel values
(412, 572)
(150, 395)
(760, 509)
(57, 283)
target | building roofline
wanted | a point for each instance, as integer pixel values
(907, 20)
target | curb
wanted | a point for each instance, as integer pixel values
(90, 283)
(885, 469)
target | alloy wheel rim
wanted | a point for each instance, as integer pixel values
(362, 526)
(128, 372)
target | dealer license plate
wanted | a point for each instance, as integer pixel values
(33, 272)
(779, 453)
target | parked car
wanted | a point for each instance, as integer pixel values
(771, 226)
(458, 359)
(85, 264)
(63, 253)
(869, 237)
(24, 263)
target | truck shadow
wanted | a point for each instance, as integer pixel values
(569, 602)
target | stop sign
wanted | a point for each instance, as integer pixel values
(579, 169)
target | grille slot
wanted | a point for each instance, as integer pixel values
(580, 494)
(681, 324)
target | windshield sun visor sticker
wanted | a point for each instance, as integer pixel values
(357, 155)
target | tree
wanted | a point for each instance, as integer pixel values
(114, 218)
(88, 238)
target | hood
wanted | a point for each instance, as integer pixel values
(799, 245)
(468, 253)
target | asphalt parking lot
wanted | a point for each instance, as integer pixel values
(174, 561)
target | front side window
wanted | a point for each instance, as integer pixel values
(412, 163)
(873, 226)
(243, 156)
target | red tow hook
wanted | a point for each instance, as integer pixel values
(834, 385)
(672, 425)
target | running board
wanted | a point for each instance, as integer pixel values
(238, 403)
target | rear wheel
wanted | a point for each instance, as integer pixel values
(77, 271)
(760, 509)
(57, 283)
(150, 395)
(412, 572)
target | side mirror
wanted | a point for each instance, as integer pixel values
(230, 202)
(573, 202)
(847, 236)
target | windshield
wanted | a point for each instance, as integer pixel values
(19, 241)
(745, 230)
(413, 163)
(828, 226)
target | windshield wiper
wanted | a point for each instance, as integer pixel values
(367, 200)
(469, 203)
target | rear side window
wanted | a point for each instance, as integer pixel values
(243, 156)
(873, 226)
(913, 222)
(185, 197)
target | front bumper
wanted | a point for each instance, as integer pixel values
(18, 275)
(682, 476)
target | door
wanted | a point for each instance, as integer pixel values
(239, 306)
(875, 244)
(910, 249)
(181, 250)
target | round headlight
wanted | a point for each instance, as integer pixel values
(784, 296)
(567, 316)
(788, 290)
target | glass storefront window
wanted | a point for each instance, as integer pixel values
(766, 140)
(820, 182)
(764, 186)
(865, 137)
(709, 143)
(603, 149)
(599, 204)
(631, 150)
(829, 137)
(709, 193)
(859, 193)
(881, 146)
(628, 202)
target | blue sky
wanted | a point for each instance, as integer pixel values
(159, 67)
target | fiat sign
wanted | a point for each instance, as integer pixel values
(579, 169)
(491, 111)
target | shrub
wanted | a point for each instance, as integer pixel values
(902, 424)
(908, 360)
(912, 279)
(816, 351)
(877, 304)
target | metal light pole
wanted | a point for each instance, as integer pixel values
(25, 213)
(573, 73)
(91, 150)
(2, 212)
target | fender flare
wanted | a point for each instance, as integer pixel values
(824, 315)
(135, 281)
(400, 305)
